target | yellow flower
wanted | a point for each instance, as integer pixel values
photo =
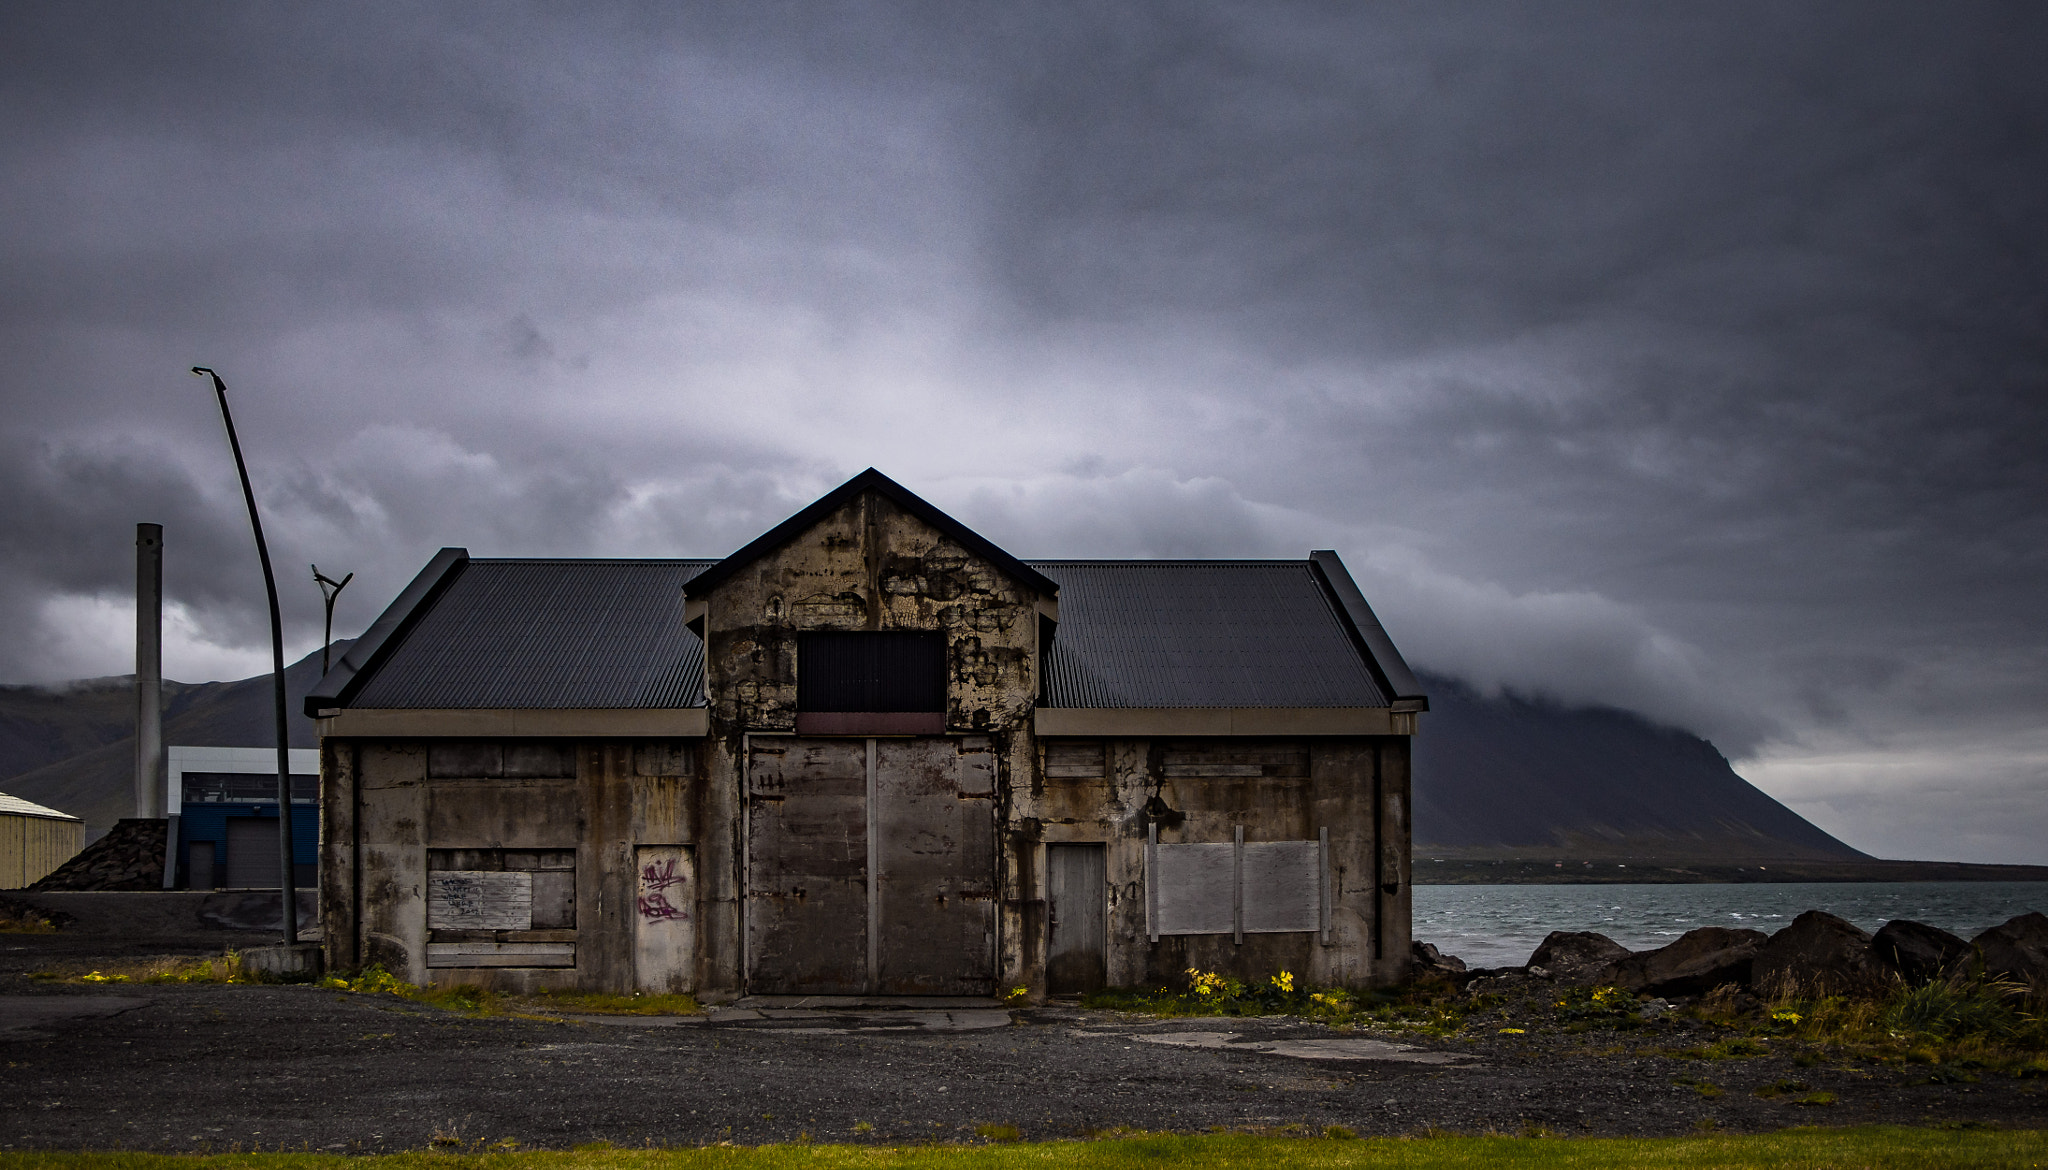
(1513, 1031)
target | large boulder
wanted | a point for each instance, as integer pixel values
(1428, 961)
(1698, 962)
(1821, 953)
(2016, 950)
(1917, 951)
(1577, 956)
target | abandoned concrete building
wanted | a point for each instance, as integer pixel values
(868, 754)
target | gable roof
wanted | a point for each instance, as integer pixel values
(839, 497)
(1204, 634)
(530, 634)
(591, 634)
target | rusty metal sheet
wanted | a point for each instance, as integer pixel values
(664, 918)
(1076, 892)
(469, 899)
(807, 867)
(1282, 886)
(934, 853)
(1190, 888)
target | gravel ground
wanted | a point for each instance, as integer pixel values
(211, 1067)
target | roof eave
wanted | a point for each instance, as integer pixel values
(1386, 662)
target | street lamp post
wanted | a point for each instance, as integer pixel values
(284, 764)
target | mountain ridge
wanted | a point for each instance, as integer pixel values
(1495, 777)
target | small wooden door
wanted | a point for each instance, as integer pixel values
(664, 919)
(1077, 950)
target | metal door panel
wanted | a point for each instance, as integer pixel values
(252, 854)
(1076, 952)
(807, 867)
(934, 903)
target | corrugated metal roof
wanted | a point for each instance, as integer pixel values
(549, 634)
(1201, 634)
(16, 806)
(609, 634)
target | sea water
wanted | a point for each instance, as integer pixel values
(1498, 926)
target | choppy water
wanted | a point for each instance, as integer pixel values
(1498, 926)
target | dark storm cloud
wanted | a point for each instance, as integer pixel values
(1681, 304)
(1688, 359)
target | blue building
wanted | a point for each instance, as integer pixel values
(226, 805)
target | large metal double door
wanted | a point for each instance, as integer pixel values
(870, 866)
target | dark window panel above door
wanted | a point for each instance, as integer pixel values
(871, 671)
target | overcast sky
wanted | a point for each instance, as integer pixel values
(1691, 359)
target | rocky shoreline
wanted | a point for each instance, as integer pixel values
(1818, 953)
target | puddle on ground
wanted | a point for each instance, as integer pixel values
(1337, 1048)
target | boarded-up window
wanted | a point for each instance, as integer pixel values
(1282, 886)
(1073, 759)
(485, 907)
(469, 899)
(894, 670)
(484, 760)
(1192, 889)
(1237, 888)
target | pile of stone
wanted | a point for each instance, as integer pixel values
(129, 857)
(1817, 954)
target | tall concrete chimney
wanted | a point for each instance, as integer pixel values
(149, 671)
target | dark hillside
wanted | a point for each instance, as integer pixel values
(72, 747)
(1507, 776)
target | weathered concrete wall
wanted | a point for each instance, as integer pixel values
(870, 566)
(1113, 791)
(394, 812)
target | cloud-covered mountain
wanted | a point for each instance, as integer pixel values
(1507, 776)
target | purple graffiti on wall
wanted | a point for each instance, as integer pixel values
(654, 904)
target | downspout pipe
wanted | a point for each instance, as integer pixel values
(287, 882)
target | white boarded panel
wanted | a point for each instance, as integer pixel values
(496, 954)
(1282, 886)
(1192, 886)
(477, 899)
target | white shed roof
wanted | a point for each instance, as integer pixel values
(16, 806)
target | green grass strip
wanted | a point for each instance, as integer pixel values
(1876, 1146)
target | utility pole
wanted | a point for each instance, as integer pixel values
(329, 589)
(289, 886)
